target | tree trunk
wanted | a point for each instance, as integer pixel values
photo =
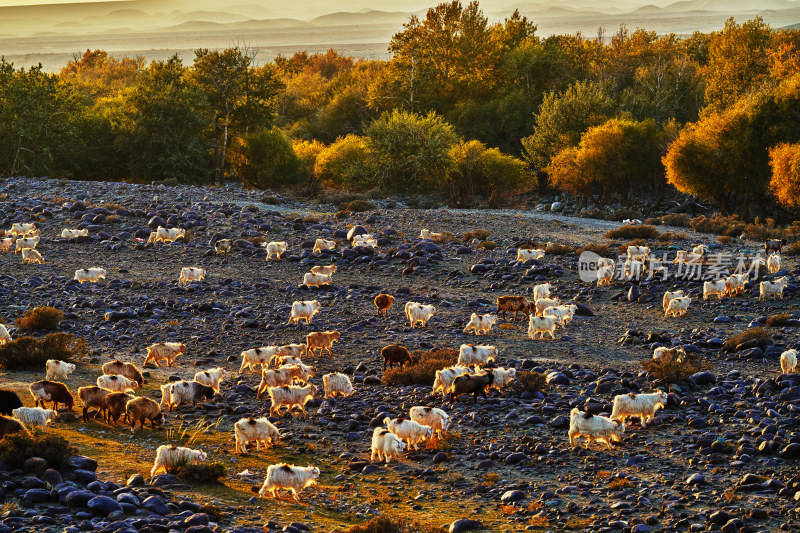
(224, 146)
(686, 205)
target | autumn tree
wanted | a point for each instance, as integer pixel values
(345, 163)
(784, 161)
(482, 171)
(265, 158)
(619, 156)
(99, 74)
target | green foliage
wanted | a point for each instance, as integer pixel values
(562, 119)
(205, 472)
(410, 152)
(166, 126)
(40, 318)
(29, 353)
(634, 231)
(482, 171)
(423, 371)
(17, 448)
(345, 163)
(266, 159)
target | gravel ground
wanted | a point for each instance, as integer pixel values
(693, 468)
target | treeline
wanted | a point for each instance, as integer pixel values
(464, 108)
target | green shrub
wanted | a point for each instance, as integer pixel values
(755, 336)
(40, 318)
(29, 353)
(675, 366)
(206, 472)
(423, 371)
(634, 231)
(17, 448)
(266, 159)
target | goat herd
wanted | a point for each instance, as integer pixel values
(287, 379)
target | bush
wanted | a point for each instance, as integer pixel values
(29, 353)
(480, 234)
(669, 236)
(621, 214)
(423, 371)
(638, 231)
(783, 319)
(17, 448)
(387, 524)
(444, 237)
(554, 248)
(529, 382)
(792, 249)
(266, 159)
(359, 206)
(40, 318)
(677, 219)
(718, 225)
(206, 472)
(342, 214)
(271, 200)
(487, 245)
(724, 239)
(674, 366)
(603, 250)
(753, 336)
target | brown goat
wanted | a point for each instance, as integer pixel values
(51, 391)
(94, 396)
(517, 304)
(129, 370)
(383, 302)
(394, 353)
(322, 340)
(10, 425)
(116, 402)
(471, 384)
(141, 409)
(774, 245)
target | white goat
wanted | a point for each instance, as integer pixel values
(789, 361)
(714, 288)
(432, 417)
(678, 307)
(541, 291)
(211, 378)
(542, 325)
(189, 274)
(117, 383)
(57, 370)
(73, 233)
(772, 289)
(773, 263)
(386, 445)
(34, 416)
(5, 336)
(258, 430)
(258, 356)
(168, 235)
(32, 256)
(322, 244)
(469, 355)
(480, 323)
(168, 456)
(594, 427)
(417, 313)
(315, 280)
(304, 310)
(408, 430)
(671, 295)
(642, 405)
(276, 249)
(524, 255)
(326, 270)
(337, 384)
(92, 275)
(286, 477)
(445, 378)
(290, 397)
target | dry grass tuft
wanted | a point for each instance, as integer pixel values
(603, 250)
(669, 236)
(529, 382)
(29, 353)
(390, 524)
(480, 234)
(555, 248)
(776, 321)
(752, 336)
(423, 371)
(639, 231)
(486, 245)
(40, 318)
(674, 366)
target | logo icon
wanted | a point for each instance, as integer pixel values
(587, 266)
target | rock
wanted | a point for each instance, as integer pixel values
(103, 505)
(78, 498)
(83, 463)
(557, 378)
(155, 222)
(695, 479)
(156, 505)
(464, 524)
(703, 378)
(440, 457)
(52, 476)
(633, 293)
(556, 207)
(559, 422)
(136, 480)
(164, 480)
(791, 451)
(36, 495)
(719, 517)
(514, 458)
(512, 496)
(34, 464)
(84, 476)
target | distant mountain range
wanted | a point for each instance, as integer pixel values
(158, 28)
